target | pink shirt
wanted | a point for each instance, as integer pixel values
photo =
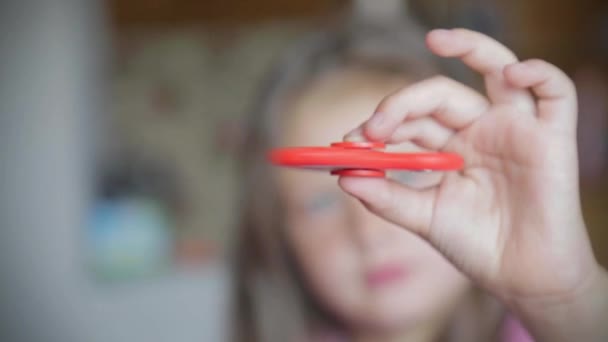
(511, 331)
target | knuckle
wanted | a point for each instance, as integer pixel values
(390, 103)
(426, 126)
(467, 33)
(393, 101)
(440, 80)
(551, 72)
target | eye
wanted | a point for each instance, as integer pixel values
(321, 202)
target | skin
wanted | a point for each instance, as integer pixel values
(511, 219)
(337, 242)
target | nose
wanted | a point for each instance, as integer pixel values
(368, 230)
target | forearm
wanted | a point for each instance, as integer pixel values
(581, 317)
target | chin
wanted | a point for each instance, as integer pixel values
(386, 323)
(393, 315)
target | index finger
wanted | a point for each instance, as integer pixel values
(450, 103)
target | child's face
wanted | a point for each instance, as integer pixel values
(365, 270)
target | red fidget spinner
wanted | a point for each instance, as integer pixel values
(362, 159)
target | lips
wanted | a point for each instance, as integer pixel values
(385, 275)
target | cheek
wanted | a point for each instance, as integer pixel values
(441, 274)
(329, 261)
(323, 251)
(318, 233)
(444, 284)
(435, 290)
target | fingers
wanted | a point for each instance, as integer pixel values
(556, 103)
(424, 132)
(394, 202)
(486, 56)
(452, 104)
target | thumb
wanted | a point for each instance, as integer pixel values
(393, 201)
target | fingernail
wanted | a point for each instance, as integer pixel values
(377, 120)
(442, 33)
(521, 66)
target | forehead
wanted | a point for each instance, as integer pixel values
(334, 104)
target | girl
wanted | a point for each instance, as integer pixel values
(311, 261)
(314, 263)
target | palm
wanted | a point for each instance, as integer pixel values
(487, 207)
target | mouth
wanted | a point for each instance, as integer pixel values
(386, 274)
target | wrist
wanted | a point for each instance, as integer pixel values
(577, 315)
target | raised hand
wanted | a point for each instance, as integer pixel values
(511, 219)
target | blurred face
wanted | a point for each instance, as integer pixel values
(366, 271)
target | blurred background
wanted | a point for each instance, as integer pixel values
(120, 122)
